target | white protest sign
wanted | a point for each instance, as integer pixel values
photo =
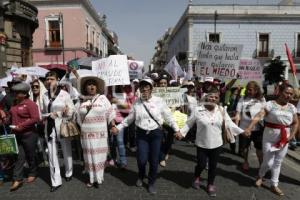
(173, 96)
(250, 69)
(113, 70)
(174, 69)
(218, 60)
(135, 69)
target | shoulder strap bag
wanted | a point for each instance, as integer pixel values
(227, 136)
(151, 116)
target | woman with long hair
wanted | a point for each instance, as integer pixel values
(247, 107)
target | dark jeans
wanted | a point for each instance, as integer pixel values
(167, 142)
(191, 135)
(27, 144)
(212, 155)
(148, 149)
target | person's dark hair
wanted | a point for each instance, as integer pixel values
(214, 89)
(15, 102)
(35, 81)
(254, 84)
(161, 77)
(283, 87)
(52, 73)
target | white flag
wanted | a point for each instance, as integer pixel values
(174, 69)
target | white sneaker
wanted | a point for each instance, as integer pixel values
(167, 157)
(163, 163)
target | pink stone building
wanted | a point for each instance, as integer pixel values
(69, 29)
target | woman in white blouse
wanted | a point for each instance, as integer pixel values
(281, 125)
(57, 104)
(208, 118)
(148, 113)
(247, 107)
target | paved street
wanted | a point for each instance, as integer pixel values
(174, 181)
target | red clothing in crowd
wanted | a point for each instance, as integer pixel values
(25, 115)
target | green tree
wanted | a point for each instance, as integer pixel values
(274, 72)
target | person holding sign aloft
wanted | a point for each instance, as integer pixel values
(148, 113)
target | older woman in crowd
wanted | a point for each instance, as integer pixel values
(281, 125)
(24, 116)
(95, 113)
(208, 118)
(148, 113)
(57, 104)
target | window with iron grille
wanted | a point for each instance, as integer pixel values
(54, 33)
(214, 37)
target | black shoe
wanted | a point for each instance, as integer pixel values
(54, 188)
(123, 167)
(292, 147)
(68, 179)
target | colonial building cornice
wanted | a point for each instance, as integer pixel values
(239, 13)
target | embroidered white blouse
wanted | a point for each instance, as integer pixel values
(209, 126)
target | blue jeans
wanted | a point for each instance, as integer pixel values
(148, 149)
(117, 141)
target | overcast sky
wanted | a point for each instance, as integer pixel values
(140, 23)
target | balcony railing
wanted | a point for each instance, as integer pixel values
(265, 54)
(89, 46)
(53, 45)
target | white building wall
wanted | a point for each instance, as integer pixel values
(247, 34)
(179, 43)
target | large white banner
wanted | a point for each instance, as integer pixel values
(135, 69)
(113, 70)
(172, 95)
(218, 60)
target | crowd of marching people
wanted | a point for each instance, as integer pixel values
(48, 114)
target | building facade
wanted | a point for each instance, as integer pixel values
(18, 21)
(69, 29)
(262, 30)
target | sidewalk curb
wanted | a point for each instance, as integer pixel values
(294, 155)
